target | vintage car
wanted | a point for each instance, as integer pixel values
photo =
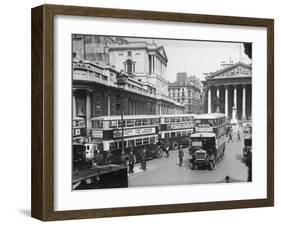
(247, 146)
(79, 159)
(247, 128)
(109, 176)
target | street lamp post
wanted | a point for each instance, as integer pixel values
(121, 83)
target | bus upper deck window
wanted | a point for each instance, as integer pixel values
(167, 120)
(130, 123)
(138, 122)
(97, 124)
(144, 122)
(156, 121)
(113, 124)
(120, 124)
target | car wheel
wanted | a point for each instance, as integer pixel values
(191, 165)
(175, 146)
(160, 153)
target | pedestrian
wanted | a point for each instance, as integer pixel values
(132, 160)
(180, 155)
(238, 136)
(105, 157)
(167, 149)
(227, 179)
(230, 137)
(143, 159)
(249, 165)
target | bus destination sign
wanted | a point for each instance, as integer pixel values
(203, 128)
(97, 134)
(182, 125)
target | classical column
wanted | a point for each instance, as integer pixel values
(108, 104)
(88, 109)
(74, 105)
(234, 108)
(209, 101)
(235, 97)
(226, 102)
(244, 103)
(218, 98)
(153, 64)
(156, 65)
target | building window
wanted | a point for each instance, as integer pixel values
(87, 39)
(129, 53)
(130, 66)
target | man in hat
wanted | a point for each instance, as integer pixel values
(132, 160)
(180, 155)
(143, 159)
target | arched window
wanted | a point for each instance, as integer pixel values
(130, 66)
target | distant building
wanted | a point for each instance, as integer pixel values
(187, 91)
(93, 48)
(229, 90)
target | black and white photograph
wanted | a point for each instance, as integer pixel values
(160, 112)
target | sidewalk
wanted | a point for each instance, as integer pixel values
(138, 170)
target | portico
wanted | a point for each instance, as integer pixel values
(230, 89)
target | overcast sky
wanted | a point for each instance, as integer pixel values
(197, 57)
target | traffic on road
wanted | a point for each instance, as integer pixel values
(160, 150)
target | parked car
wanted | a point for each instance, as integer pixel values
(247, 146)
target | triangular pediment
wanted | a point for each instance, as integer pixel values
(237, 70)
(162, 52)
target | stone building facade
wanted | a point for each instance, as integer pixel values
(187, 91)
(95, 90)
(146, 62)
(229, 90)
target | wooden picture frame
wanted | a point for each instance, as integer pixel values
(43, 112)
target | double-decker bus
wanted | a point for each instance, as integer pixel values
(139, 131)
(209, 140)
(78, 130)
(175, 130)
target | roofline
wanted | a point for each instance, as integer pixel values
(226, 68)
